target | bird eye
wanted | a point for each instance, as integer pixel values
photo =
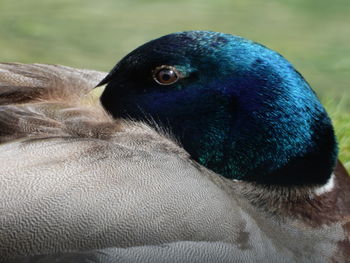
(166, 75)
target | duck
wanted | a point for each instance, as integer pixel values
(203, 147)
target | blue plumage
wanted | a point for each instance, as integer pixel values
(238, 108)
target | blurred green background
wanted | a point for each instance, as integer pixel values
(313, 34)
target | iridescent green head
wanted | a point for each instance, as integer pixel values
(237, 107)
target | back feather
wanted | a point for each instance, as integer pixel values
(39, 100)
(21, 83)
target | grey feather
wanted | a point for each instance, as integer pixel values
(78, 186)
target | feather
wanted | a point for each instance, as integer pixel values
(77, 185)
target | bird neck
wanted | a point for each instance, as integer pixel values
(283, 141)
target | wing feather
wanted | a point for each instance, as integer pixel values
(40, 101)
(20, 83)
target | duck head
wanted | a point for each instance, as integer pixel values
(237, 107)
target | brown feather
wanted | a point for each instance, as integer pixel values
(38, 101)
(20, 83)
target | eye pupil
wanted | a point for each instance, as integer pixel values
(165, 75)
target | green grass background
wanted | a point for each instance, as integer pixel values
(313, 34)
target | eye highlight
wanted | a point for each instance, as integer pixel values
(166, 75)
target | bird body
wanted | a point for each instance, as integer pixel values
(78, 185)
